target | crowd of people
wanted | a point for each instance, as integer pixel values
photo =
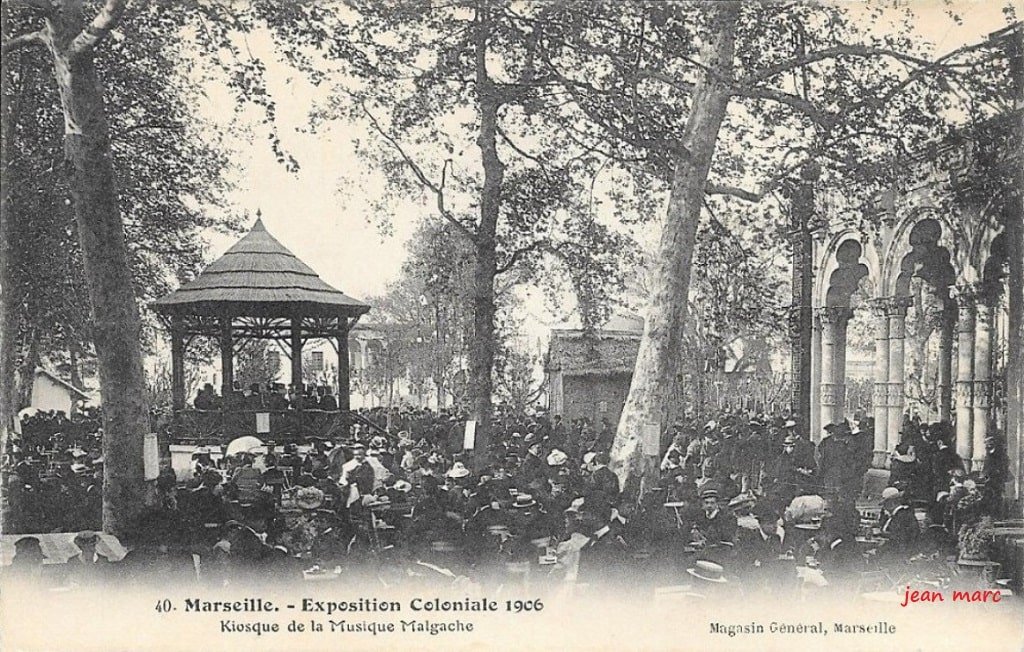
(267, 396)
(746, 499)
(53, 473)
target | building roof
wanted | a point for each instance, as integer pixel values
(575, 354)
(258, 276)
(63, 383)
(619, 323)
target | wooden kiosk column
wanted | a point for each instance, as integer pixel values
(227, 356)
(343, 372)
(296, 349)
(177, 364)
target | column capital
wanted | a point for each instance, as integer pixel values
(879, 306)
(833, 314)
(897, 306)
(968, 295)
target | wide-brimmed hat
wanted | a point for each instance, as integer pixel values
(523, 501)
(890, 493)
(908, 458)
(403, 486)
(813, 523)
(742, 499)
(557, 458)
(458, 470)
(309, 498)
(86, 538)
(708, 571)
(789, 424)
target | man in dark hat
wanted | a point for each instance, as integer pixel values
(326, 401)
(604, 557)
(899, 526)
(788, 476)
(996, 465)
(843, 460)
(277, 400)
(357, 473)
(944, 462)
(254, 397)
(603, 479)
(715, 525)
(803, 449)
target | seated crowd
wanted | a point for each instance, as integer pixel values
(741, 500)
(269, 397)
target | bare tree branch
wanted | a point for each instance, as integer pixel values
(795, 102)
(518, 150)
(436, 188)
(105, 20)
(733, 191)
(517, 255)
(23, 41)
(854, 51)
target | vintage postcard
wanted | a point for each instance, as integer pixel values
(512, 324)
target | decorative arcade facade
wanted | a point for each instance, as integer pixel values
(936, 247)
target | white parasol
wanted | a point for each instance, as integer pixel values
(244, 444)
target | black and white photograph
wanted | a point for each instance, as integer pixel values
(512, 324)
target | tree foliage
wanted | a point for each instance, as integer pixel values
(171, 177)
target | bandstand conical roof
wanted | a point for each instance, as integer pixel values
(259, 276)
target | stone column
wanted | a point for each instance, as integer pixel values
(880, 393)
(965, 299)
(897, 312)
(945, 388)
(839, 364)
(815, 424)
(833, 347)
(982, 385)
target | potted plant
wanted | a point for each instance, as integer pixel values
(974, 540)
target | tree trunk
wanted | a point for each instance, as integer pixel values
(481, 349)
(114, 313)
(27, 371)
(660, 355)
(10, 318)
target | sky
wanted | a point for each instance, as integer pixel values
(324, 213)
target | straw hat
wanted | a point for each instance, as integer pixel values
(557, 458)
(813, 523)
(523, 501)
(458, 470)
(708, 571)
(742, 499)
(309, 498)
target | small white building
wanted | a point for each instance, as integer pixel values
(50, 392)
